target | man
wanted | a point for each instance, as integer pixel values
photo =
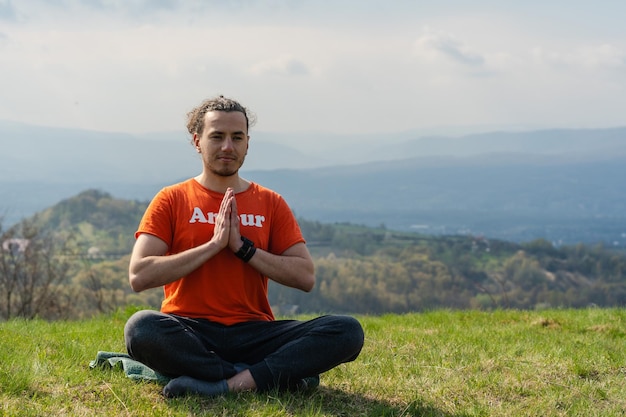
(213, 242)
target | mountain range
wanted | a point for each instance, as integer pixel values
(563, 185)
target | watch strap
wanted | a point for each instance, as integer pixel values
(247, 250)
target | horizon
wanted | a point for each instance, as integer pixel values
(285, 139)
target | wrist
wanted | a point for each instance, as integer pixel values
(247, 250)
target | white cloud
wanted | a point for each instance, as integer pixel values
(449, 46)
(605, 56)
(587, 57)
(281, 66)
(7, 10)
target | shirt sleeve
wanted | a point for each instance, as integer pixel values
(285, 231)
(157, 219)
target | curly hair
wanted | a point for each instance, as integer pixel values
(195, 118)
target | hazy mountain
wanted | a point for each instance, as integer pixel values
(353, 149)
(559, 184)
(32, 153)
(35, 153)
(510, 196)
(549, 142)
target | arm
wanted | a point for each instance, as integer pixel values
(293, 268)
(150, 267)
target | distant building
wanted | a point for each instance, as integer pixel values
(15, 246)
(94, 252)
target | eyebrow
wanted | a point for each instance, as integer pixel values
(221, 132)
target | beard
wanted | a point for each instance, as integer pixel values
(227, 170)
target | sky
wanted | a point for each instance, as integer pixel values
(336, 66)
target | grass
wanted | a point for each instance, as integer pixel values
(440, 363)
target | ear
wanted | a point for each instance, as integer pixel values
(196, 141)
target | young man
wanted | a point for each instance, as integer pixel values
(213, 242)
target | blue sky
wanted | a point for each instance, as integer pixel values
(343, 66)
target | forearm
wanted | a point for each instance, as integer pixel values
(289, 270)
(158, 270)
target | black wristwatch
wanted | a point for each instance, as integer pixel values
(247, 250)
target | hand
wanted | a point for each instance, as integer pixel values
(234, 239)
(222, 230)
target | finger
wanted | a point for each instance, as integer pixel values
(225, 202)
(234, 219)
(233, 206)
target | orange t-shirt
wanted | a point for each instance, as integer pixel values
(224, 289)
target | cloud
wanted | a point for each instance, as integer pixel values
(586, 58)
(602, 56)
(7, 10)
(87, 12)
(157, 56)
(281, 66)
(449, 46)
(136, 8)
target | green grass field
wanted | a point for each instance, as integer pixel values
(441, 363)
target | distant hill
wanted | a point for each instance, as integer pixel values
(364, 270)
(563, 185)
(36, 153)
(512, 197)
(573, 142)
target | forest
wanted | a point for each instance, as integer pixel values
(71, 260)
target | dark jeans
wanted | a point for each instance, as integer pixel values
(278, 353)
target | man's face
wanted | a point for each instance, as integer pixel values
(224, 142)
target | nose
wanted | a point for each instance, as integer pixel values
(227, 144)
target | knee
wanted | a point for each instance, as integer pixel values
(354, 331)
(350, 331)
(138, 321)
(138, 329)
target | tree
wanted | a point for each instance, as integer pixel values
(33, 268)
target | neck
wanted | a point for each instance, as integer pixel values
(220, 183)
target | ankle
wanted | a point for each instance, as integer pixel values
(243, 381)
